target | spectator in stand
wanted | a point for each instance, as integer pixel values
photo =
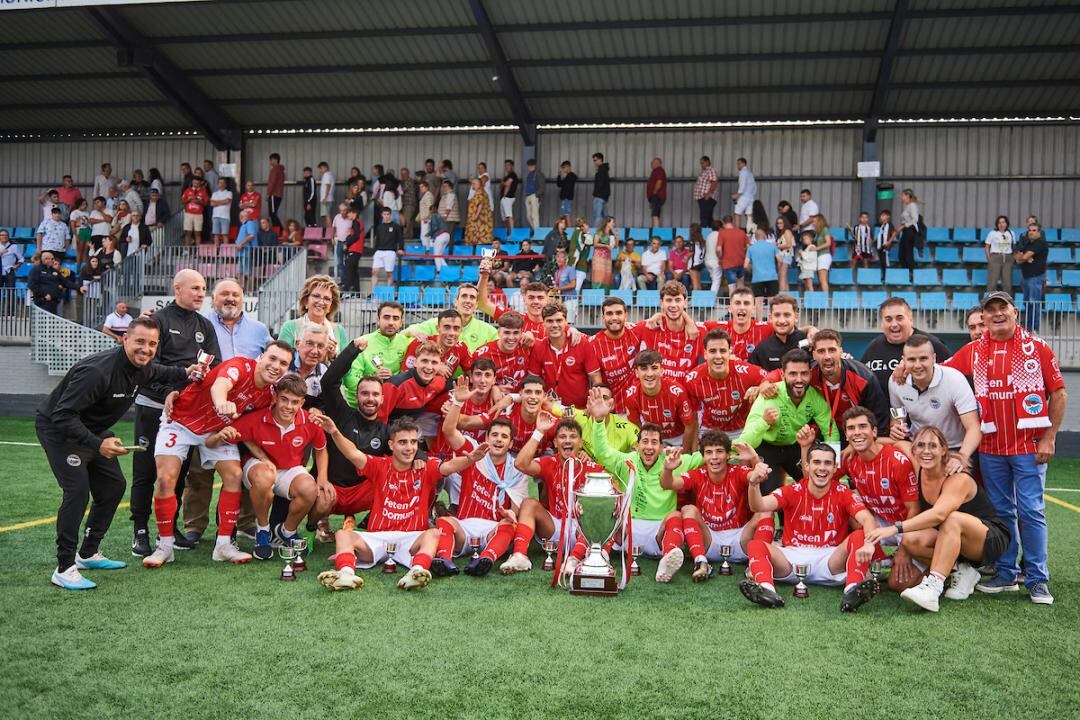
(823, 243)
(975, 325)
(999, 256)
(391, 198)
(784, 210)
(883, 240)
(246, 239)
(389, 245)
(157, 210)
(186, 176)
(449, 207)
(785, 243)
(138, 181)
(79, 222)
(479, 223)
(11, 258)
(293, 235)
(121, 219)
(116, 322)
(104, 181)
(221, 202)
(746, 193)
(577, 252)
(565, 182)
(697, 255)
(759, 218)
(131, 196)
(628, 267)
(653, 266)
(535, 183)
(604, 242)
(565, 281)
(210, 175)
(601, 189)
(69, 194)
(862, 241)
(910, 229)
(341, 227)
(497, 265)
(409, 192)
(157, 182)
(53, 234)
(268, 236)
(112, 200)
(100, 223)
(109, 256)
(1030, 254)
(51, 199)
(556, 237)
(310, 198)
(134, 236)
(712, 256)
(807, 210)
(89, 280)
(250, 199)
(885, 352)
(425, 209)
(523, 269)
(762, 258)
(354, 251)
(732, 245)
(326, 193)
(679, 261)
(705, 192)
(440, 240)
(47, 284)
(656, 190)
(275, 188)
(194, 199)
(484, 177)
(510, 186)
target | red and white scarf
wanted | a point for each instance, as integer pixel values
(1025, 380)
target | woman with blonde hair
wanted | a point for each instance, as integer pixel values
(479, 222)
(785, 243)
(823, 243)
(910, 228)
(320, 299)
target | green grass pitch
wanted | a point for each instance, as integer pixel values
(199, 640)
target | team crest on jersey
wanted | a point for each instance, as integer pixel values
(249, 407)
(667, 414)
(143, 441)
(570, 361)
(199, 337)
(688, 349)
(736, 395)
(831, 518)
(233, 374)
(1033, 404)
(750, 347)
(884, 483)
(74, 460)
(631, 350)
(297, 441)
(935, 404)
(416, 484)
(375, 443)
(1031, 366)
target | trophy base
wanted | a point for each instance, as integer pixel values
(582, 584)
(548, 565)
(288, 577)
(389, 569)
(299, 567)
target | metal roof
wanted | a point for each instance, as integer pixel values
(230, 66)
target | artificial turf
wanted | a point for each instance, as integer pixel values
(200, 640)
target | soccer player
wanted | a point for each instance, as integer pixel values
(675, 335)
(742, 325)
(566, 368)
(484, 400)
(719, 514)
(408, 393)
(456, 358)
(534, 295)
(474, 333)
(621, 433)
(957, 530)
(720, 387)
(555, 472)
(401, 499)
(525, 410)
(660, 401)
(232, 388)
(817, 515)
(278, 439)
(508, 353)
(384, 354)
(786, 335)
(615, 348)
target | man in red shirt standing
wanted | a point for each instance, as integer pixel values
(275, 188)
(731, 246)
(195, 201)
(1022, 399)
(661, 401)
(507, 353)
(231, 389)
(742, 325)
(251, 200)
(656, 190)
(566, 368)
(278, 439)
(615, 348)
(675, 336)
(720, 386)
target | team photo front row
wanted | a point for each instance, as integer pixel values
(726, 442)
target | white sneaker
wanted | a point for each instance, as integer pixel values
(228, 552)
(71, 579)
(669, 565)
(517, 562)
(963, 581)
(925, 594)
(415, 579)
(345, 579)
(569, 565)
(159, 557)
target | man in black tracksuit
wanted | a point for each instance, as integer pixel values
(184, 334)
(48, 284)
(73, 426)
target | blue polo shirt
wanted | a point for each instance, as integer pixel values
(247, 338)
(250, 227)
(762, 254)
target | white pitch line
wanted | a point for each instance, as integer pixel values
(24, 444)
(1062, 489)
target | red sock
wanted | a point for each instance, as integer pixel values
(164, 514)
(856, 571)
(499, 542)
(523, 535)
(760, 562)
(579, 548)
(228, 508)
(692, 533)
(879, 553)
(766, 530)
(673, 534)
(345, 560)
(422, 559)
(446, 539)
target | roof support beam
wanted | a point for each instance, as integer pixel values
(885, 68)
(503, 73)
(167, 79)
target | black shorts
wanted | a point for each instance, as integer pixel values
(767, 288)
(997, 539)
(654, 205)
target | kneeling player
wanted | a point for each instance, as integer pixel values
(720, 510)
(401, 500)
(817, 511)
(278, 439)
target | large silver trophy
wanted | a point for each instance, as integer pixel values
(598, 505)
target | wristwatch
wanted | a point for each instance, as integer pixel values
(899, 525)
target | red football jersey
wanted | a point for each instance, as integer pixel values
(536, 327)
(616, 358)
(670, 408)
(565, 371)
(723, 402)
(478, 494)
(816, 522)
(723, 505)
(510, 368)
(884, 483)
(553, 475)
(194, 409)
(400, 498)
(680, 353)
(456, 357)
(523, 429)
(195, 200)
(255, 197)
(284, 446)
(742, 344)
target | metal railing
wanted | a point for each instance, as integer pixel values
(161, 263)
(279, 294)
(14, 315)
(60, 343)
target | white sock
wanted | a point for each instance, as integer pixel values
(769, 586)
(223, 540)
(262, 528)
(166, 542)
(701, 558)
(848, 586)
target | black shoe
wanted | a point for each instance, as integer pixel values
(859, 595)
(480, 566)
(761, 595)
(180, 540)
(441, 567)
(140, 543)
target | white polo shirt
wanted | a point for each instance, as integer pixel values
(948, 397)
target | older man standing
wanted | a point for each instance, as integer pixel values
(1021, 397)
(884, 353)
(705, 191)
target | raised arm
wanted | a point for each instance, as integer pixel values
(344, 445)
(525, 461)
(461, 462)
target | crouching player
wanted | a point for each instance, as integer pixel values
(720, 511)
(278, 439)
(817, 511)
(401, 500)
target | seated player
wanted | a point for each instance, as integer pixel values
(719, 512)
(621, 433)
(278, 439)
(721, 386)
(401, 500)
(957, 530)
(817, 514)
(568, 466)
(234, 387)
(508, 353)
(660, 400)
(526, 408)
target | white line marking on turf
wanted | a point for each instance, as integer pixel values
(24, 444)
(1062, 489)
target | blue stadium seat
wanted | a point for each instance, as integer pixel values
(449, 274)
(937, 234)
(909, 296)
(639, 234)
(1051, 278)
(1052, 235)
(458, 235)
(841, 255)
(470, 273)
(845, 300)
(414, 249)
(511, 248)
(648, 298)
(626, 295)
(1058, 302)
(933, 301)
(481, 249)
(978, 277)
(703, 299)
(1070, 278)
(965, 300)
(22, 233)
(946, 255)
(897, 276)
(433, 297)
(923, 256)
(520, 233)
(423, 273)
(409, 295)
(24, 269)
(894, 254)
(1071, 235)
(964, 234)
(984, 233)
(668, 234)
(1060, 256)
(868, 276)
(816, 300)
(873, 299)
(383, 293)
(841, 276)
(542, 232)
(974, 255)
(926, 277)
(462, 251)
(592, 297)
(499, 233)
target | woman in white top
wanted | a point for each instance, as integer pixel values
(909, 228)
(785, 243)
(712, 257)
(999, 255)
(390, 199)
(79, 219)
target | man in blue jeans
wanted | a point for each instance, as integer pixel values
(1021, 397)
(1030, 256)
(601, 190)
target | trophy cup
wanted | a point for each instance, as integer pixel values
(598, 505)
(204, 359)
(476, 541)
(635, 551)
(288, 554)
(549, 547)
(899, 415)
(801, 571)
(299, 545)
(725, 553)
(389, 566)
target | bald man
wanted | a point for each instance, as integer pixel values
(184, 334)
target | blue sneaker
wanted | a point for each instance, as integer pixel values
(997, 584)
(263, 550)
(283, 538)
(1040, 594)
(70, 579)
(97, 561)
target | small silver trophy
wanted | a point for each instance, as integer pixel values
(899, 415)
(549, 547)
(203, 359)
(725, 553)
(635, 552)
(288, 554)
(299, 546)
(389, 566)
(876, 570)
(801, 571)
(476, 541)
